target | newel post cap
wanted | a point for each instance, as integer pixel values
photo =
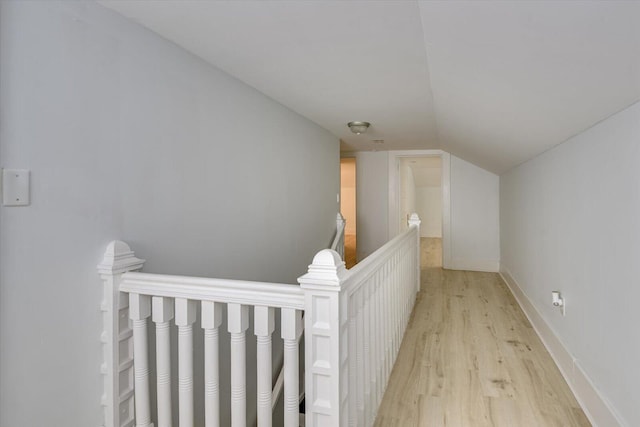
(326, 269)
(119, 258)
(414, 219)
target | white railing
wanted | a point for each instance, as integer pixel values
(337, 244)
(338, 241)
(353, 324)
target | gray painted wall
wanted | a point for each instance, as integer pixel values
(129, 137)
(569, 222)
(475, 230)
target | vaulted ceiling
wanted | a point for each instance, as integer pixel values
(493, 82)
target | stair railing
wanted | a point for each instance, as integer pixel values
(353, 324)
(337, 245)
(338, 241)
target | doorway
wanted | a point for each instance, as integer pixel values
(419, 181)
(421, 192)
(348, 208)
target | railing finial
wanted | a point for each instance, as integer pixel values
(119, 258)
(414, 219)
(327, 268)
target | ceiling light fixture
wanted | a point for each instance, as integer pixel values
(358, 127)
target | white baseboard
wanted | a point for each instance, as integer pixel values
(490, 266)
(597, 409)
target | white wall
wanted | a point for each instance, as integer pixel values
(570, 222)
(429, 208)
(372, 182)
(407, 193)
(129, 137)
(475, 229)
(475, 240)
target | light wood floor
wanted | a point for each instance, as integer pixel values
(470, 358)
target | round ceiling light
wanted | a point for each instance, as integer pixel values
(358, 127)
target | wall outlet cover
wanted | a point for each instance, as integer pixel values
(15, 187)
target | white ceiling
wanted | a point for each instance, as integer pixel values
(493, 82)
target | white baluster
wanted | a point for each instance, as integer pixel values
(359, 354)
(211, 321)
(238, 322)
(396, 306)
(414, 219)
(366, 351)
(375, 339)
(139, 310)
(380, 343)
(353, 361)
(291, 327)
(185, 316)
(264, 324)
(401, 305)
(389, 318)
(162, 314)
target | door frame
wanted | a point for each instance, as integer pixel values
(394, 192)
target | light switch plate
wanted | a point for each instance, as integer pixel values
(15, 187)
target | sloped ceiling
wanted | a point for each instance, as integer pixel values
(494, 83)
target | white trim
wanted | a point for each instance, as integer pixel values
(598, 410)
(491, 266)
(447, 236)
(220, 290)
(394, 201)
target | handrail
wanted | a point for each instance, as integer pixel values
(220, 290)
(359, 273)
(338, 241)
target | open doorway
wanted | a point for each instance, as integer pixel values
(421, 192)
(419, 181)
(348, 208)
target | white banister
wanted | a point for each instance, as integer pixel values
(139, 311)
(238, 323)
(291, 323)
(354, 323)
(221, 290)
(185, 317)
(161, 316)
(211, 320)
(338, 241)
(264, 325)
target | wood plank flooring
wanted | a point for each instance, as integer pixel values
(470, 358)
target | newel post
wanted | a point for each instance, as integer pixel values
(414, 220)
(325, 376)
(340, 221)
(341, 224)
(117, 399)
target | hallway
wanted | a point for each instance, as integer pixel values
(470, 358)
